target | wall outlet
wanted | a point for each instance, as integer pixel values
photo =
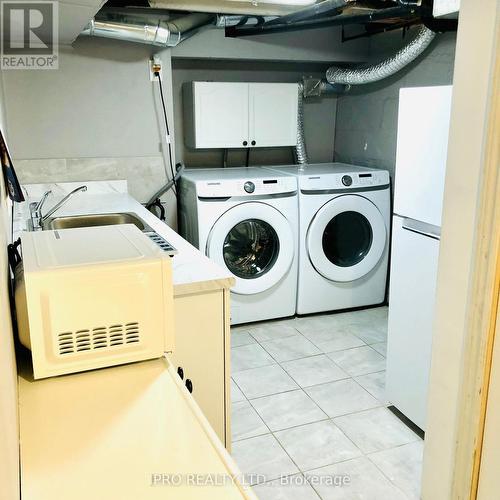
(153, 63)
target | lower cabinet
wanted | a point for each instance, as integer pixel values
(201, 354)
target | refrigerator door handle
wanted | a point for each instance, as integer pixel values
(422, 228)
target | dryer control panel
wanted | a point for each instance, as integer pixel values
(225, 188)
(344, 181)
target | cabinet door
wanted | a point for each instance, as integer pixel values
(200, 352)
(273, 114)
(220, 114)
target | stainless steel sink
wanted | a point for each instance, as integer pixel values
(90, 220)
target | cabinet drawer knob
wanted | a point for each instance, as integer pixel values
(189, 385)
(245, 143)
(253, 143)
(180, 372)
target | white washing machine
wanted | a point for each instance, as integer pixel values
(344, 213)
(246, 219)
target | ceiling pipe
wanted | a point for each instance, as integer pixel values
(161, 33)
(312, 11)
(241, 7)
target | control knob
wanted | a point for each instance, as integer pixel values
(346, 180)
(249, 187)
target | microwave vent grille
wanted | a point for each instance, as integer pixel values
(101, 337)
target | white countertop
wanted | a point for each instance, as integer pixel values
(192, 271)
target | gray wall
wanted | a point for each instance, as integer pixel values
(319, 113)
(96, 118)
(100, 102)
(366, 126)
(319, 45)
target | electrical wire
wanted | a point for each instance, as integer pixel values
(167, 129)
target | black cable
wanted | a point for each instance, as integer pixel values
(157, 203)
(248, 157)
(169, 143)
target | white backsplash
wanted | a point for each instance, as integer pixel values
(144, 175)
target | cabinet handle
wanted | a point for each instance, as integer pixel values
(253, 143)
(189, 385)
(180, 372)
(245, 143)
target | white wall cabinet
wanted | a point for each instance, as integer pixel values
(240, 115)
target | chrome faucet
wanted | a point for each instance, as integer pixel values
(38, 218)
(37, 207)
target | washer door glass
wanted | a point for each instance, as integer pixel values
(256, 243)
(251, 248)
(346, 238)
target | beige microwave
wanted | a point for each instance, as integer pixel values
(93, 297)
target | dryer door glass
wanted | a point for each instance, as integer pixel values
(347, 238)
(251, 248)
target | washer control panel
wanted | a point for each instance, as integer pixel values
(344, 181)
(226, 188)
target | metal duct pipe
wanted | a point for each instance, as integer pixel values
(385, 68)
(162, 34)
(300, 148)
(310, 87)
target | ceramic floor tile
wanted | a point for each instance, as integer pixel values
(293, 487)
(262, 459)
(288, 409)
(245, 422)
(236, 394)
(249, 356)
(290, 348)
(380, 347)
(316, 445)
(329, 322)
(403, 466)
(337, 341)
(375, 430)
(264, 381)
(342, 397)
(359, 361)
(369, 315)
(370, 332)
(241, 337)
(356, 479)
(273, 330)
(374, 383)
(314, 370)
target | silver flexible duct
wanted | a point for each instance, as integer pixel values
(300, 148)
(385, 68)
(161, 33)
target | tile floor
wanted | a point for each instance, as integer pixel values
(309, 416)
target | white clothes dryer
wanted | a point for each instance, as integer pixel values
(344, 214)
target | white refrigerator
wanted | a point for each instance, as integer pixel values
(423, 123)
